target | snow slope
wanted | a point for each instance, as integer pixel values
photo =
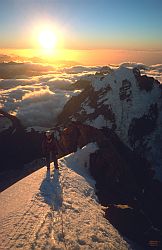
(58, 211)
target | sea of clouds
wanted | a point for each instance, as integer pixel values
(37, 93)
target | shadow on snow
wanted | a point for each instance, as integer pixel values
(51, 190)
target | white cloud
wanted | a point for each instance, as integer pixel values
(157, 67)
(11, 83)
(37, 104)
(81, 69)
(23, 70)
(34, 105)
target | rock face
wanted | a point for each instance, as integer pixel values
(135, 225)
(129, 104)
(125, 184)
(76, 135)
(5, 123)
(8, 143)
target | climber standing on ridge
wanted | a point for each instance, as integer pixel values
(50, 149)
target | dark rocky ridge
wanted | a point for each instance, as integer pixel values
(143, 126)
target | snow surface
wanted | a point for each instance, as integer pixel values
(59, 211)
(125, 111)
(86, 108)
(99, 122)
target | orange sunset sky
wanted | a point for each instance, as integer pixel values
(81, 32)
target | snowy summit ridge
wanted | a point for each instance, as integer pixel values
(128, 103)
(58, 211)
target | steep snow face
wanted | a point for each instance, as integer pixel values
(125, 99)
(57, 211)
(79, 161)
(130, 105)
(5, 123)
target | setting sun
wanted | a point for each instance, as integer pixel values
(47, 39)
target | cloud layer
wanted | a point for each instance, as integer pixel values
(35, 104)
(37, 100)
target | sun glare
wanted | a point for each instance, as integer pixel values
(47, 39)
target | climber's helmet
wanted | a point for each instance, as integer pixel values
(48, 134)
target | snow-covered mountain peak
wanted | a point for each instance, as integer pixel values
(126, 102)
(122, 74)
